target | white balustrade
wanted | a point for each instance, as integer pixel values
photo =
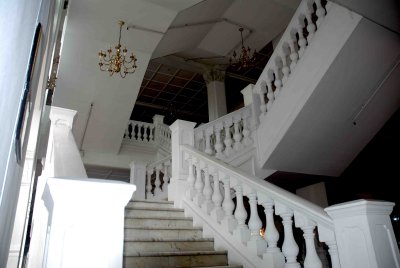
(227, 136)
(233, 215)
(158, 174)
(289, 51)
(156, 133)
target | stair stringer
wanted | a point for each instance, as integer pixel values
(238, 254)
(326, 44)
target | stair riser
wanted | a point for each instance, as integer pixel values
(137, 234)
(175, 261)
(152, 213)
(158, 223)
(148, 205)
(134, 248)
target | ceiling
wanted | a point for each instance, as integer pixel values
(201, 37)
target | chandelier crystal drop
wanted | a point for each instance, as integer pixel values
(246, 59)
(117, 61)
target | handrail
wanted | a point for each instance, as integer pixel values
(289, 199)
(158, 162)
(220, 119)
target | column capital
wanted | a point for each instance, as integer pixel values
(214, 74)
(62, 116)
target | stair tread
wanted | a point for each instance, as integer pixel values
(179, 253)
(172, 240)
(164, 228)
(152, 201)
(156, 209)
(160, 218)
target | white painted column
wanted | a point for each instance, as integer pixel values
(364, 234)
(138, 178)
(182, 132)
(215, 80)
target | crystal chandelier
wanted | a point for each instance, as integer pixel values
(116, 61)
(246, 59)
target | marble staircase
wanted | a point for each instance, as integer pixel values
(159, 235)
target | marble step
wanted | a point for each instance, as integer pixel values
(141, 212)
(159, 222)
(150, 204)
(136, 247)
(159, 234)
(177, 259)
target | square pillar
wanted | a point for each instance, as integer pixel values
(364, 234)
(182, 133)
(138, 178)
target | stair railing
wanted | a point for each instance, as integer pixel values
(290, 49)
(157, 179)
(156, 133)
(226, 136)
(204, 197)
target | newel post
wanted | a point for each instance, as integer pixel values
(182, 133)
(138, 178)
(364, 234)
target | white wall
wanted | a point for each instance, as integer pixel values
(18, 19)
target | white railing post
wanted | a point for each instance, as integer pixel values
(273, 256)
(217, 213)
(242, 232)
(207, 206)
(199, 185)
(256, 243)
(149, 185)
(364, 234)
(311, 259)
(289, 248)
(138, 178)
(229, 221)
(182, 132)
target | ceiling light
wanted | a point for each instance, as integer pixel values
(116, 61)
(246, 59)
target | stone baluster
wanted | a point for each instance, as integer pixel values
(149, 186)
(289, 248)
(208, 132)
(166, 176)
(278, 82)
(199, 198)
(261, 93)
(273, 256)
(228, 140)
(256, 243)
(145, 127)
(247, 141)
(217, 213)
(333, 252)
(228, 205)
(320, 12)
(218, 143)
(191, 179)
(207, 205)
(126, 133)
(237, 136)
(285, 68)
(302, 41)
(157, 182)
(242, 232)
(293, 52)
(311, 260)
(310, 24)
(270, 95)
(151, 129)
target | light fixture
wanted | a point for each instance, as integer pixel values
(246, 59)
(116, 62)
